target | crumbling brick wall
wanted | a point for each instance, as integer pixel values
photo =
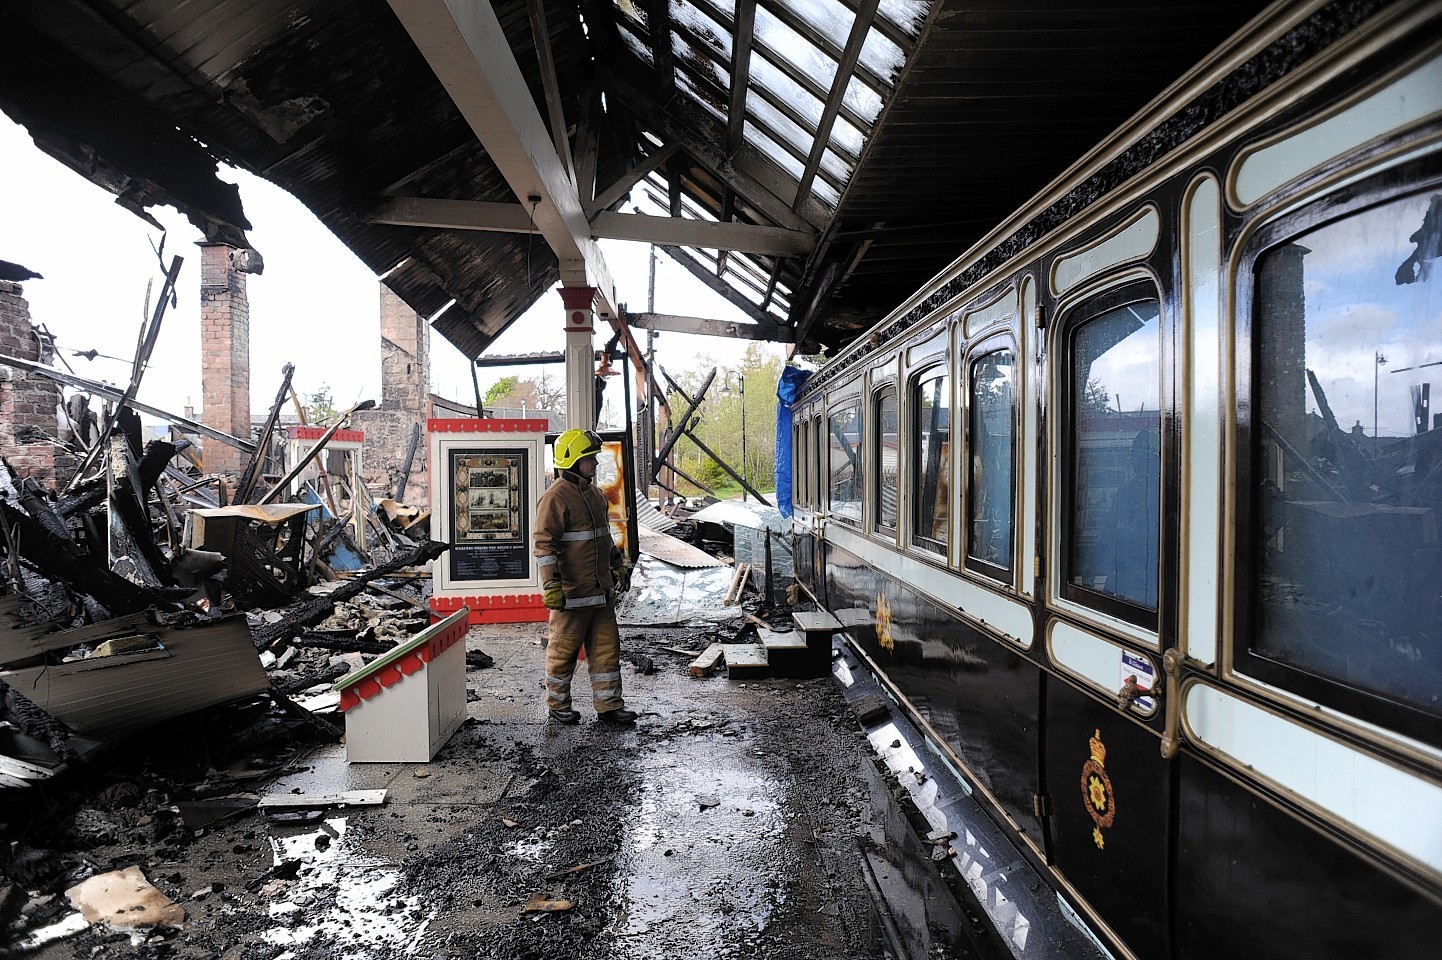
(224, 353)
(404, 403)
(28, 401)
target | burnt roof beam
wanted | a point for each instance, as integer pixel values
(623, 185)
(743, 237)
(721, 287)
(658, 21)
(742, 31)
(555, 108)
(515, 218)
(755, 179)
(466, 47)
(860, 27)
(770, 331)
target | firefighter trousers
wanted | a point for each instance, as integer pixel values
(593, 628)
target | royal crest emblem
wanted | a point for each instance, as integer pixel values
(883, 624)
(1096, 789)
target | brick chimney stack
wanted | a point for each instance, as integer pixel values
(224, 353)
(405, 401)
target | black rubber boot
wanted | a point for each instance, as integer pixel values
(618, 716)
(567, 716)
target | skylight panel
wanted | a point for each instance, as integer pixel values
(778, 124)
(766, 74)
(834, 167)
(829, 18)
(778, 154)
(862, 101)
(881, 56)
(706, 29)
(688, 52)
(908, 16)
(822, 190)
(796, 49)
(703, 97)
(635, 44)
(846, 140)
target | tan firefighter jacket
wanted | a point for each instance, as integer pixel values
(573, 541)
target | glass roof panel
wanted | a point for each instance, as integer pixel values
(778, 154)
(703, 96)
(836, 168)
(830, 18)
(687, 15)
(881, 56)
(778, 124)
(797, 50)
(689, 54)
(862, 100)
(846, 140)
(825, 192)
(766, 74)
(635, 44)
(907, 15)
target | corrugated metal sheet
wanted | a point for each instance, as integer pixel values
(111, 697)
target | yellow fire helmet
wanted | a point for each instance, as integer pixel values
(573, 446)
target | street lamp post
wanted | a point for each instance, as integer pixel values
(1378, 358)
(741, 389)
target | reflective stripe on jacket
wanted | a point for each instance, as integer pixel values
(573, 541)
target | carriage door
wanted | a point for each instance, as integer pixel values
(1106, 785)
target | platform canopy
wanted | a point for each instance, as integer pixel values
(815, 161)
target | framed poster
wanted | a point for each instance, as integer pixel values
(489, 516)
(485, 481)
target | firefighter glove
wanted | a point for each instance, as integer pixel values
(621, 574)
(553, 596)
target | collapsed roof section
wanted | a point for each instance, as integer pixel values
(812, 160)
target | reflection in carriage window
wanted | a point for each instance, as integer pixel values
(1348, 333)
(844, 458)
(887, 459)
(1112, 523)
(931, 461)
(992, 389)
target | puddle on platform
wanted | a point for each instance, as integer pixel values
(701, 881)
(346, 901)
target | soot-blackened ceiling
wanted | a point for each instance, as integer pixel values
(815, 161)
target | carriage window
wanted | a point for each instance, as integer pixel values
(813, 472)
(886, 460)
(931, 461)
(798, 469)
(989, 497)
(1347, 332)
(844, 459)
(1112, 481)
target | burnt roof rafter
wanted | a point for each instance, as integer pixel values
(860, 27)
(749, 173)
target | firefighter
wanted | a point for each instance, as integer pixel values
(582, 572)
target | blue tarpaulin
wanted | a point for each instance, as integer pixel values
(792, 379)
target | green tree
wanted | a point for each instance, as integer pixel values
(499, 390)
(320, 408)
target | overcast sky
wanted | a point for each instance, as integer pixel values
(315, 306)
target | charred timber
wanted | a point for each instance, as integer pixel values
(297, 617)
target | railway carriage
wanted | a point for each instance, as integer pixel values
(1134, 508)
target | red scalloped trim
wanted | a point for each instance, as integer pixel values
(412, 663)
(297, 432)
(499, 608)
(489, 425)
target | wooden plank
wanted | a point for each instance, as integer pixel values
(745, 660)
(706, 663)
(348, 798)
(810, 620)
